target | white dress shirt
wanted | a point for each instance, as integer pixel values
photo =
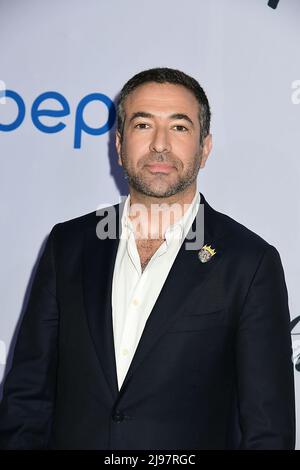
(134, 292)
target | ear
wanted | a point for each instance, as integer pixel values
(118, 147)
(206, 149)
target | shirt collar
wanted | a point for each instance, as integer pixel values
(182, 226)
(178, 230)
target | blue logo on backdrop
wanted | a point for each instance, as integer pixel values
(80, 125)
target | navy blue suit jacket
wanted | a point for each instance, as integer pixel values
(213, 368)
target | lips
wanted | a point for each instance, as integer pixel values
(160, 167)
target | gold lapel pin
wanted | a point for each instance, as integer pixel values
(206, 253)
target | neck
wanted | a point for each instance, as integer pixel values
(153, 215)
(182, 198)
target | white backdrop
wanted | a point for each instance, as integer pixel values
(245, 55)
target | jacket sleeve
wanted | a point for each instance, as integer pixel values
(29, 389)
(264, 360)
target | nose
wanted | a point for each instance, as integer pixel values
(160, 141)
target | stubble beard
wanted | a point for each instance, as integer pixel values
(152, 189)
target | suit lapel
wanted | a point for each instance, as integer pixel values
(186, 273)
(98, 265)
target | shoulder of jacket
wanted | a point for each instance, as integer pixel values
(240, 239)
(80, 224)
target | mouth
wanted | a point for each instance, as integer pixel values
(160, 168)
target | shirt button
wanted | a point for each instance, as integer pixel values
(125, 352)
(135, 301)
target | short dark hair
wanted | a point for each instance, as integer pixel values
(166, 75)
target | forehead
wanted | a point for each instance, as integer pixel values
(161, 98)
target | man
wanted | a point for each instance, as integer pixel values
(135, 339)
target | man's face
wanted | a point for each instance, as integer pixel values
(160, 152)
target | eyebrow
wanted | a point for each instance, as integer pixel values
(179, 116)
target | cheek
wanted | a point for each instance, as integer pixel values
(135, 147)
(186, 151)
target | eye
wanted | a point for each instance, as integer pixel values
(141, 125)
(180, 128)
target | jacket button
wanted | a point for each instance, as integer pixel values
(118, 416)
